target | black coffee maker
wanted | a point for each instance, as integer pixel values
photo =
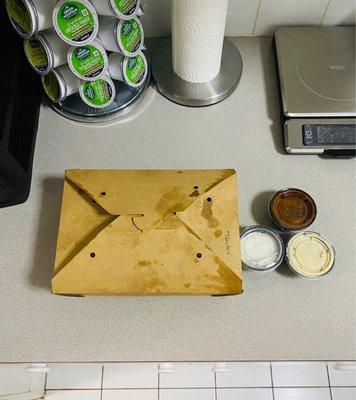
(20, 98)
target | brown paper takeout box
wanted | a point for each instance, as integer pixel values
(127, 232)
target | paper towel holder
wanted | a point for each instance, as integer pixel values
(171, 86)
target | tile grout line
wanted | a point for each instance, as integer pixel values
(328, 374)
(203, 387)
(212, 387)
(158, 382)
(256, 18)
(270, 369)
(45, 386)
(102, 382)
(180, 361)
(324, 13)
(216, 388)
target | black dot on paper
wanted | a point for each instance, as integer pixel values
(103, 193)
(209, 199)
(92, 255)
(196, 187)
(199, 255)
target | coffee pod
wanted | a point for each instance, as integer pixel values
(60, 83)
(123, 36)
(123, 9)
(45, 51)
(99, 93)
(131, 70)
(76, 22)
(30, 16)
(89, 61)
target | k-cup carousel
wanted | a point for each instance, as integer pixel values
(89, 54)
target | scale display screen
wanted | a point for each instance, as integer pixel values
(329, 134)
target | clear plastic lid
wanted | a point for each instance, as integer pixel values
(262, 249)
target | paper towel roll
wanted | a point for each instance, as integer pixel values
(198, 28)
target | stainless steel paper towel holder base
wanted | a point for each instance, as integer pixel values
(196, 94)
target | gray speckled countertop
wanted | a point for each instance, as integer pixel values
(280, 316)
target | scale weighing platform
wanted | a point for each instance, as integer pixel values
(317, 82)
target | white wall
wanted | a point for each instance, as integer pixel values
(259, 17)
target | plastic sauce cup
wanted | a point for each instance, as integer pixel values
(60, 83)
(45, 51)
(292, 209)
(123, 36)
(310, 255)
(76, 22)
(131, 70)
(89, 61)
(30, 16)
(99, 93)
(123, 9)
(262, 249)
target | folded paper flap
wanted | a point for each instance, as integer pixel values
(152, 193)
(213, 218)
(123, 259)
(81, 219)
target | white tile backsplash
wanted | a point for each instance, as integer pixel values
(241, 16)
(130, 375)
(139, 394)
(187, 394)
(288, 12)
(157, 19)
(74, 376)
(14, 379)
(340, 12)
(189, 375)
(300, 374)
(266, 14)
(244, 394)
(73, 395)
(342, 373)
(245, 374)
(188, 381)
(344, 393)
(302, 394)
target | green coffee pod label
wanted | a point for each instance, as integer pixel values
(125, 7)
(131, 35)
(87, 61)
(36, 54)
(98, 93)
(75, 21)
(19, 16)
(135, 69)
(51, 86)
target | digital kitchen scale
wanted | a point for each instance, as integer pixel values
(317, 83)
